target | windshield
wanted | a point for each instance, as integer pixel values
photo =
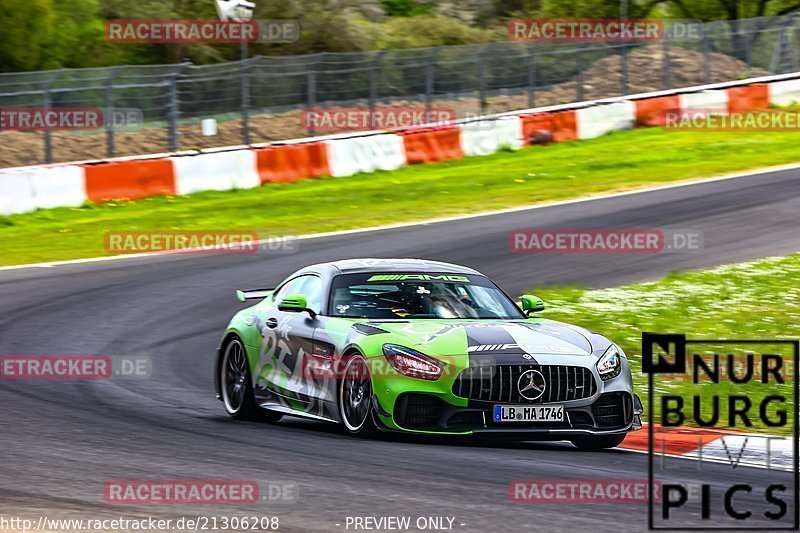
(428, 295)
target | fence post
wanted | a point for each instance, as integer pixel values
(791, 51)
(46, 103)
(482, 77)
(109, 113)
(531, 75)
(373, 86)
(580, 74)
(623, 14)
(748, 43)
(777, 53)
(624, 68)
(429, 83)
(245, 73)
(776, 62)
(667, 80)
(311, 94)
(173, 109)
(48, 134)
(790, 25)
(706, 56)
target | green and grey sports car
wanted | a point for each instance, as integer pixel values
(422, 347)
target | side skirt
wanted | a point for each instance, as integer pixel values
(278, 408)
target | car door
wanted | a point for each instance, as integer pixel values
(286, 344)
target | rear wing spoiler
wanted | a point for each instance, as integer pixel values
(253, 294)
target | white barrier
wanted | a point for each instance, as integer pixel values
(488, 136)
(784, 93)
(596, 121)
(25, 189)
(216, 171)
(365, 154)
(714, 102)
(58, 186)
(16, 192)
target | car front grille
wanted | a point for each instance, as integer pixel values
(500, 383)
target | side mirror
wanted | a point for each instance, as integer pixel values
(531, 304)
(295, 303)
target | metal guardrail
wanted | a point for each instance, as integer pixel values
(258, 99)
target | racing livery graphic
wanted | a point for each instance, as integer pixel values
(423, 347)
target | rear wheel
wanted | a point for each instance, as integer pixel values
(236, 386)
(355, 397)
(598, 442)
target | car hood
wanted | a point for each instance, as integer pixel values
(492, 342)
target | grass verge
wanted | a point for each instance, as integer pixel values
(616, 162)
(755, 300)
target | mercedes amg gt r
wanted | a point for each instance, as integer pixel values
(424, 347)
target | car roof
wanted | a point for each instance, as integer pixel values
(355, 266)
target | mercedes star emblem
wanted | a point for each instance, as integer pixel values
(531, 384)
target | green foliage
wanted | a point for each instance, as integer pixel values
(331, 30)
(404, 8)
(584, 8)
(513, 8)
(78, 39)
(706, 10)
(429, 30)
(46, 34)
(27, 28)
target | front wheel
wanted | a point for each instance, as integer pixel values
(596, 443)
(236, 386)
(355, 397)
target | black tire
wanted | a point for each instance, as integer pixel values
(236, 386)
(595, 443)
(355, 397)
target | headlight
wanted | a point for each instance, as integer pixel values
(412, 363)
(610, 364)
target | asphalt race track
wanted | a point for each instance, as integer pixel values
(61, 441)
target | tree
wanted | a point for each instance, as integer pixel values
(27, 28)
(47, 34)
(78, 39)
(708, 10)
(404, 8)
(589, 9)
(705, 10)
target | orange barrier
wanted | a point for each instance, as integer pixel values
(565, 126)
(536, 127)
(292, 162)
(129, 179)
(748, 98)
(652, 111)
(432, 144)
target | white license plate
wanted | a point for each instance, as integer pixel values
(529, 413)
